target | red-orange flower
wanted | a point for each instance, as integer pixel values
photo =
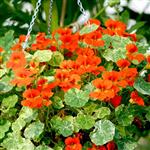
(103, 90)
(17, 60)
(136, 99)
(66, 80)
(136, 56)
(22, 77)
(114, 27)
(116, 101)
(1, 49)
(73, 143)
(131, 48)
(94, 39)
(36, 99)
(41, 42)
(111, 146)
(122, 63)
(128, 74)
(94, 147)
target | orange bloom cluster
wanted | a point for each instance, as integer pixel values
(38, 97)
(109, 146)
(136, 99)
(114, 27)
(68, 40)
(68, 76)
(73, 143)
(111, 83)
(43, 43)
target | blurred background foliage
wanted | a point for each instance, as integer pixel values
(16, 15)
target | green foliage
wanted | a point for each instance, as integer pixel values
(76, 98)
(4, 127)
(88, 29)
(43, 55)
(34, 130)
(9, 102)
(104, 132)
(63, 126)
(124, 119)
(142, 86)
(16, 142)
(84, 121)
(56, 59)
(118, 50)
(102, 112)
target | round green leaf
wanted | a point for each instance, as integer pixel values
(4, 127)
(85, 121)
(43, 55)
(102, 112)
(9, 101)
(76, 98)
(66, 127)
(43, 147)
(34, 130)
(104, 132)
(18, 125)
(142, 86)
(28, 114)
(56, 59)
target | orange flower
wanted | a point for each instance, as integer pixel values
(36, 99)
(131, 48)
(94, 39)
(66, 80)
(69, 42)
(114, 27)
(73, 144)
(136, 56)
(115, 77)
(17, 60)
(136, 99)
(122, 63)
(94, 21)
(128, 74)
(41, 42)
(1, 49)
(103, 90)
(94, 147)
(22, 77)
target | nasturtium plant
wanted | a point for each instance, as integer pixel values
(82, 90)
(76, 98)
(103, 132)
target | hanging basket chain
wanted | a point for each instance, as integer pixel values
(81, 7)
(50, 16)
(38, 4)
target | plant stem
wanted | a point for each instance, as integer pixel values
(63, 12)
(100, 12)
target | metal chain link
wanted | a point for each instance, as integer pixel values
(38, 4)
(82, 10)
(50, 15)
(81, 7)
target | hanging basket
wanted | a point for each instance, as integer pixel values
(84, 90)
